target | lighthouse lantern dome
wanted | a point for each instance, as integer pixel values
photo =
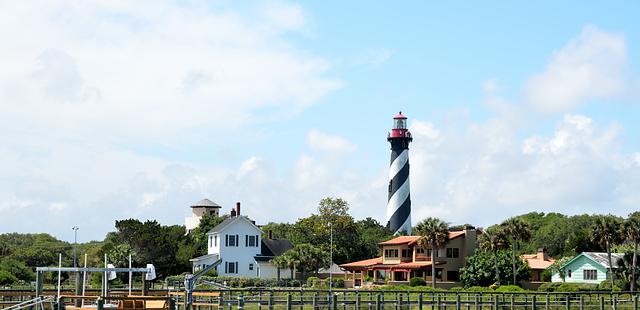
(400, 121)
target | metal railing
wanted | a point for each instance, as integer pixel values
(37, 302)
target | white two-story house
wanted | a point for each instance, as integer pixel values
(238, 242)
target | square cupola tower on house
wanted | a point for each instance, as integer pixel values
(198, 210)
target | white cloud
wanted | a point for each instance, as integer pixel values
(333, 144)
(577, 168)
(373, 57)
(287, 16)
(153, 68)
(590, 66)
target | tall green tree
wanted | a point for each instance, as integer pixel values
(493, 240)
(315, 230)
(370, 233)
(517, 230)
(632, 234)
(152, 243)
(606, 231)
(479, 271)
(434, 233)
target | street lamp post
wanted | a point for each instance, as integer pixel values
(330, 257)
(75, 228)
(75, 242)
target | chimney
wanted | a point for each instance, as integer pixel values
(238, 208)
(542, 254)
(233, 212)
(270, 234)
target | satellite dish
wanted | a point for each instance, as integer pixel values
(112, 274)
(151, 274)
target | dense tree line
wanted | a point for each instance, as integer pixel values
(169, 248)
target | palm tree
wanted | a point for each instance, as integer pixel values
(518, 230)
(433, 232)
(493, 240)
(605, 231)
(281, 263)
(632, 234)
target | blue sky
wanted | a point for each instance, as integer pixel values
(118, 110)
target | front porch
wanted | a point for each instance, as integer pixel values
(390, 274)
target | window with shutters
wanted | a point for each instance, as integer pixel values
(252, 241)
(215, 240)
(231, 240)
(231, 267)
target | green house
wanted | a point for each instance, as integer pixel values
(588, 267)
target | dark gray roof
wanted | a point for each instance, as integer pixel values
(205, 203)
(207, 256)
(275, 247)
(603, 259)
(228, 222)
(335, 269)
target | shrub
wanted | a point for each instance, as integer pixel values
(509, 288)
(7, 278)
(548, 287)
(478, 289)
(339, 283)
(567, 287)
(417, 281)
(606, 286)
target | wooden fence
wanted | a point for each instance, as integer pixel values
(400, 300)
(299, 299)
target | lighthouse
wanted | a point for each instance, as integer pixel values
(399, 203)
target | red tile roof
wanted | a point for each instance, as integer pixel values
(400, 240)
(364, 263)
(411, 240)
(536, 263)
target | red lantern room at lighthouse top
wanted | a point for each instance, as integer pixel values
(399, 127)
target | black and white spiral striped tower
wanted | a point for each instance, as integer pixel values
(399, 203)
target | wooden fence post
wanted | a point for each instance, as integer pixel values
(240, 302)
(601, 302)
(547, 305)
(378, 302)
(420, 301)
(289, 301)
(270, 302)
(533, 302)
(457, 301)
(357, 300)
